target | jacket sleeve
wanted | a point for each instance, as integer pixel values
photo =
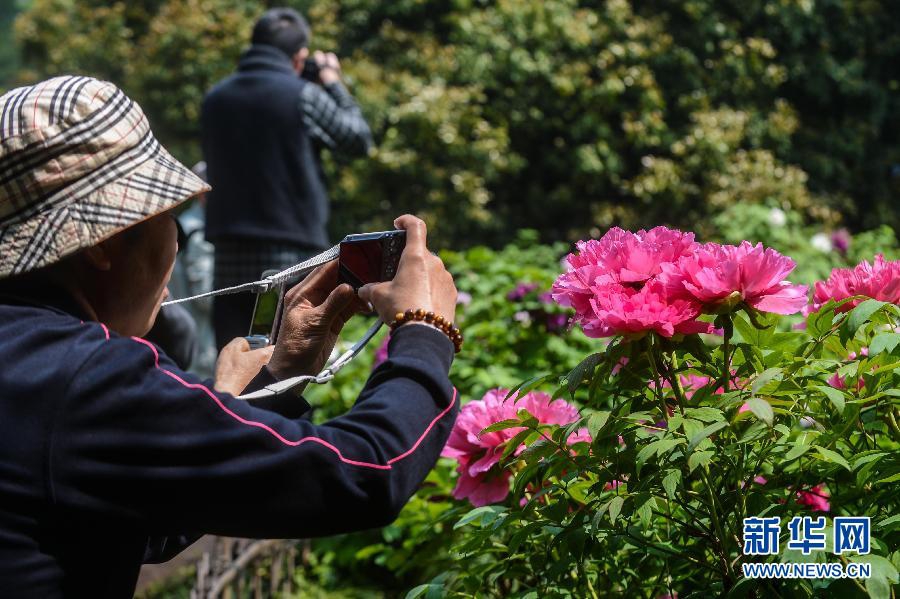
(334, 119)
(138, 440)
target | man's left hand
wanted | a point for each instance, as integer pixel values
(315, 311)
(238, 364)
(329, 67)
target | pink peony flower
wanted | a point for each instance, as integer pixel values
(879, 280)
(619, 310)
(480, 478)
(815, 499)
(621, 257)
(721, 276)
(839, 382)
(613, 485)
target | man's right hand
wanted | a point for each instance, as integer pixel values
(329, 67)
(421, 280)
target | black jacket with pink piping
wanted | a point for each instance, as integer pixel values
(109, 453)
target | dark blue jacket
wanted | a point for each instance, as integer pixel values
(109, 453)
(262, 165)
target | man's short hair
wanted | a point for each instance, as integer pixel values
(284, 28)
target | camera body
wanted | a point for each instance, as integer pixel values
(364, 258)
(370, 257)
(311, 70)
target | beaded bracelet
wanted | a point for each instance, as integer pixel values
(433, 319)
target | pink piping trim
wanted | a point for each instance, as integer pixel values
(105, 331)
(289, 442)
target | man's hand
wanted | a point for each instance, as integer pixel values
(421, 280)
(238, 364)
(315, 311)
(329, 67)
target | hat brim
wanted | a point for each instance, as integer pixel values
(156, 185)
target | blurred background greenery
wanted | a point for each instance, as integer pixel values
(565, 116)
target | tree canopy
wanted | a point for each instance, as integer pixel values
(565, 116)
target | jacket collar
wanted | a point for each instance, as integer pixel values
(51, 298)
(262, 57)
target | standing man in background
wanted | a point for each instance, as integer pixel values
(262, 130)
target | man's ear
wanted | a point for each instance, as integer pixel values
(97, 256)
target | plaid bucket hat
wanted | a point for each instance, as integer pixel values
(78, 163)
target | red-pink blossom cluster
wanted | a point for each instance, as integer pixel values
(661, 280)
(879, 280)
(815, 499)
(481, 479)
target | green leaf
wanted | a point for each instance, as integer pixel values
(835, 395)
(890, 479)
(574, 378)
(796, 451)
(670, 482)
(420, 591)
(522, 438)
(834, 457)
(889, 523)
(596, 421)
(645, 512)
(884, 342)
(884, 574)
(615, 507)
(764, 377)
(751, 334)
(705, 414)
(502, 425)
(487, 514)
(762, 409)
(858, 316)
(818, 323)
(644, 454)
(706, 432)
(699, 458)
(529, 385)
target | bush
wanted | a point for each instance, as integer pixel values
(500, 544)
(562, 115)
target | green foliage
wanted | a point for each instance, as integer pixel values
(501, 349)
(562, 115)
(647, 510)
(810, 246)
(9, 59)
(686, 481)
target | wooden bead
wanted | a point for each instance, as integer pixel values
(409, 315)
(438, 320)
(420, 314)
(398, 317)
(429, 317)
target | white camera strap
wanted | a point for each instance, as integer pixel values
(267, 283)
(323, 377)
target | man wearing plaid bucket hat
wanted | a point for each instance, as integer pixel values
(109, 453)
